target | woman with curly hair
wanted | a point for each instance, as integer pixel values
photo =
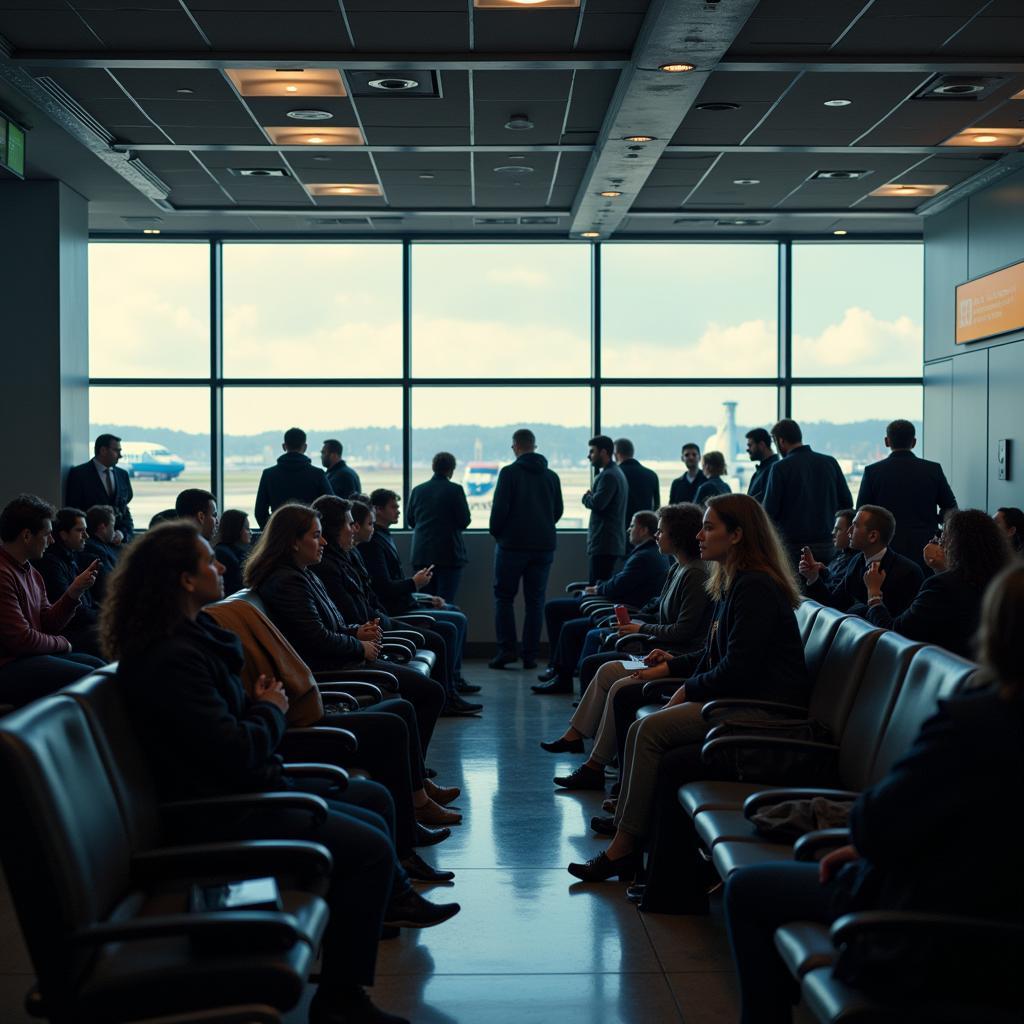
(972, 552)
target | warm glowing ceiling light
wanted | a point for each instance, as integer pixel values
(344, 189)
(509, 5)
(639, 138)
(900, 190)
(840, 232)
(676, 66)
(289, 136)
(151, 231)
(987, 137)
(610, 194)
(837, 103)
(590, 234)
(261, 82)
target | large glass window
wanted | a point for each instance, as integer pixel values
(857, 310)
(501, 310)
(317, 310)
(659, 421)
(149, 309)
(367, 422)
(689, 310)
(849, 422)
(165, 441)
(476, 426)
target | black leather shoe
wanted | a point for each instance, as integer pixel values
(425, 836)
(463, 687)
(348, 1006)
(582, 778)
(411, 910)
(600, 868)
(456, 707)
(603, 826)
(563, 746)
(417, 868)
(548, 674)
(556, 686)
(502, 660)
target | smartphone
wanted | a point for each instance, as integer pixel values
(621, 614)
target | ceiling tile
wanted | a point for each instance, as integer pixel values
(145, 30)
(792, 27)
(214, 135)
(315, 31)
(41, 29)
(525, 31)
(611, 33)
(491, 118)
(410, 31)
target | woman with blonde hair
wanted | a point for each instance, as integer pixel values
(753, 650)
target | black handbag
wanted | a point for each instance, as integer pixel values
(775, 764)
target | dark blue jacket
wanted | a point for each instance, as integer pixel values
(294, 478)
(644, 488)
(804, 490)
(344, 480)
(526, 505)
(84, 488)
(903, 580)
(640, 578)
(753, 647)
(437, 512)
(915, 491)
(606, 531)
(712, 486)
(384, 564)
(107, 555)
(759, 481)
(59, 566)
(683, 490)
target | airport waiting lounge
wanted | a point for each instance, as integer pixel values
(511, 511)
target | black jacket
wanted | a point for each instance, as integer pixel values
(945, 611)
(202, 735)
(804, 490)
(344, 480)
(759, 481)
(393, 588)
(644, 493)
(437, 512)
(902, 582)
(84, 488)
(294, 478)
(683, 490)
(59, 566)
(915, 491)
(526, 505)
(606, 531)
(232, 557)
(680, 616)
(107, 555)
(298, 605)
(640, 578)
(348, 585)
(753, 648)
(711, 487)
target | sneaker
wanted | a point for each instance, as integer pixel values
(456, 707)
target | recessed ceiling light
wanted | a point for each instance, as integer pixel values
(513, 169)
(286, 82)
(590, 234)
(840, 231)
(898, 190)
(676, 66)
(746, 181)
(987, 137)
(718, 106)
(523, 4)
(151, 231)
(426, 177)
(844, 175)
(837, 103)
(519, 123)
(639, 138)
(393, 84)
(289, 135)
(185, 92)
(310, 115)
(291, 88)
(610, 194)
(344, 189)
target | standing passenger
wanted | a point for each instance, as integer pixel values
(293, 479)
(606, 531)
(759, 448)
(713, 464)
(644, 491)
(344, 480)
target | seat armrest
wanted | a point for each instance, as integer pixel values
(948, 927)
(418, 640)
(323, 741)
(422, 599)
(339, 700)
(601, 620)
(236, 930)
(416, 619)
(311, 770)
(622, 643)
(217, 806)
(766, 797)
(576, 587)
(397, 653)
(717, 745)
(661, 689)
(726, 704)
(380, 678)
(251, 858)
(368, 692)
(813, 845)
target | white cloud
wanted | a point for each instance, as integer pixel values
(861, 345)
(518, 276)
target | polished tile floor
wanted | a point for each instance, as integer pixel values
(529, 947)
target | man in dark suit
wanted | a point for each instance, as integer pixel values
(606, 531)
(870, 535)
(759, 448)
(804, 490)
(99, 546)
(684, 487)
(914, 490)
(344, 480)
(294, 478)
(437, 512)
(101, 482)
(644, 489)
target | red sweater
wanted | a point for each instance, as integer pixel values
(29, 624)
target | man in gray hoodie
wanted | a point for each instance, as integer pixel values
(527, 503)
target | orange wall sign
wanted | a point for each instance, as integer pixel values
(990, 305)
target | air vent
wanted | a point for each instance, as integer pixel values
(143, 220)
(72, 107)
(843, 175)
(394, 83)
(492, 221)
(258, 172)
(960, 87)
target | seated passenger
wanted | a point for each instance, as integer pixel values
(870, 534)
(35, 658)
(196, 504)
(945, 610)
(231, 544)
(204, 737)
(684, 614)
(294, 478)
(641, 577)
(99, 546)
(279, 570)
(841, 542)
(753, 650)
(921, 840)
(347, 583)
(713, 465)
(1011, 521)
(61, 563)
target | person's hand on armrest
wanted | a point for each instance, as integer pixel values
(370, 631)
(647, 675)
(271, 691)
(436, 602)
(832, 862)
(625, 628)
(371, 650)
(657, 657)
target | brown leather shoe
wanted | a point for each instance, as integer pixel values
(433, 815)
(442, 795)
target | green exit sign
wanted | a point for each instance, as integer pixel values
(12, 147)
